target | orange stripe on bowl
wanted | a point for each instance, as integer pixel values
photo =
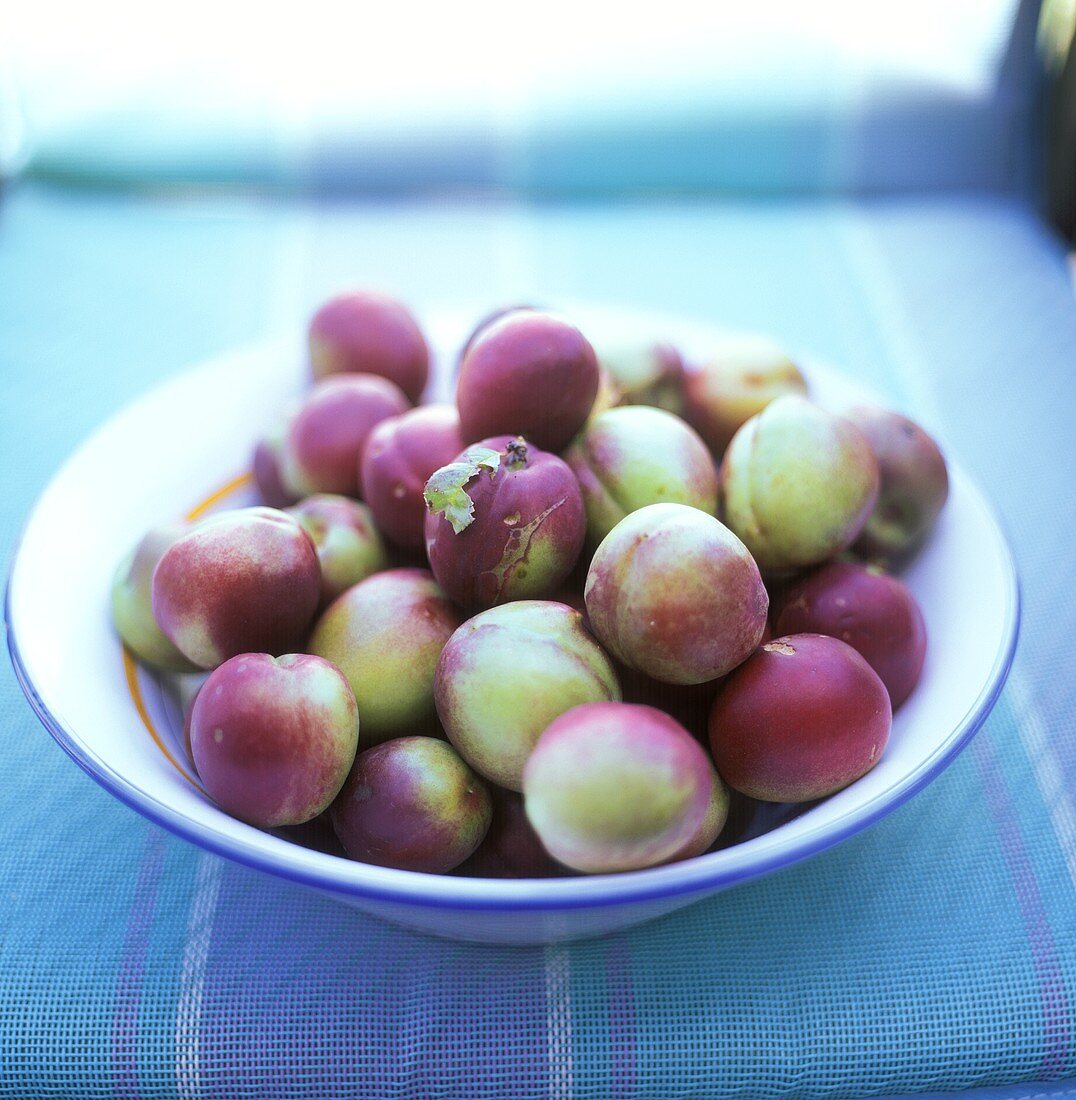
(130, 665)
(130, 671)
(224, 491)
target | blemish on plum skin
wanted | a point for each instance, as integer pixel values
(218, 735)
(780, 647)
(512, 520)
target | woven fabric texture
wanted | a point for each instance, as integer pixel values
(934, 952)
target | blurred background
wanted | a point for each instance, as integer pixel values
(572, 98)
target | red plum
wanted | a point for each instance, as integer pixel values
(273, 738)
(243, 581)
(800, 719)
(367, 333)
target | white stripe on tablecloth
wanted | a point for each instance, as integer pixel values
(1047, 768)
(558, 995)
(192, 975)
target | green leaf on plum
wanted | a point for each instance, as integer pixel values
(446, 491)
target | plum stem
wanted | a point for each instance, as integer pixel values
(516, 453)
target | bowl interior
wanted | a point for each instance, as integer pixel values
(172, 449)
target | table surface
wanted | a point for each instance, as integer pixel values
(936, 951)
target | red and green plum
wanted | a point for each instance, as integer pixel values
(511, 848)
(273, 738)
(386, 635)
(737, 382)
(411, 803)
(531, 374)
(367, 333)
(646, 373)
(798, 484)
(914, 485)
(633, 456)
(673, 593)
(800, 719)
(507, 673)
(243, 581)
(132, 602)
(399, 457)
(616, 787)
(509, 526)
(346, 538)
(874, 613)
(324, 442)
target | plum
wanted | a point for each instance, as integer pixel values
(243, 581)
(744, 375)
(348, 545)
(273, 738)
(616, 787)
(411, 803)
(400, 455)
(914, 485)
(529, 374)
(673, 593)
(874, 613)
(511, 848)
(798, 484)
(802, 718)
(507, 673)
(324, 442)
(386, 635)
(506, 522)
(717, 813)
(366, 333)
(267, 470)
(132, 602)
(629, 457)
(646, 373)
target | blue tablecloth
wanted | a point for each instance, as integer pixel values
(936, 951)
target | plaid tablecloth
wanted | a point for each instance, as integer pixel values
(936, 951)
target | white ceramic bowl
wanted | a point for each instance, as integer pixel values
(167, 452)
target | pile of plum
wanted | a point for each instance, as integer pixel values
(547, 628)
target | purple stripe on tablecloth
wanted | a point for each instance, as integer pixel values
(132, 963)
(1055, 1006)
(621, 1019)
(304, 997)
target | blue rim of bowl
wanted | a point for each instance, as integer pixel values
(692, 877)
